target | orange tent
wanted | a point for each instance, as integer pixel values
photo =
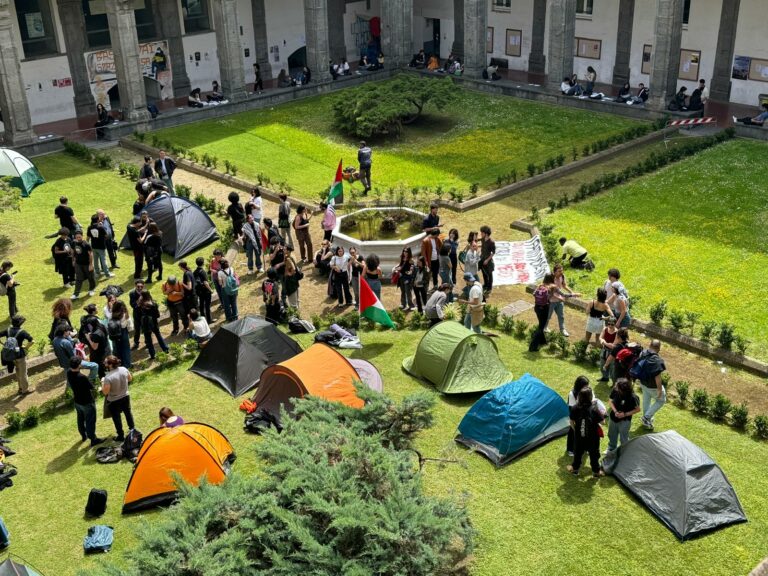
(192, 450)
(318, 371)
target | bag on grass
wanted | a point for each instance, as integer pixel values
(108, 455)
(628, 356)
(297, 326)
(132, 444)
(99, 539)
(260, 421)
(97, 502)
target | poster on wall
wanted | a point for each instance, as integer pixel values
(645, 67)
(489, 40)
(35, 28)
(689, 64)
(514, 42)
(154, 62)
(758, 70)
(741, 66)
(589, 48)
(519, 262)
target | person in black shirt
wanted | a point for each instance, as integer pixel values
(133, 233)
(236, 213)
(203, 288)
(624, 403)
(487, 251)
(98, 238)
(585, 421)
(62, 257)
(611, 363)
(7, 281)
(146, 169)
(66, 216)
(165, 167)
(85, 406)
(98, 343)
(150, 314)
(432, 221)
(20, 363)
(153, 251)
(133, 301)
(83, 261)
(188, 284)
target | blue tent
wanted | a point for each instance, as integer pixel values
(513, 419)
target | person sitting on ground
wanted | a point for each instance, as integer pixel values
(696, 102)
(569, 87)
(641, 97)
(625, 94)
(576, 253)
(456, 68)
(434, 63)
(194, 101)
(434, 308)
(591, 79)
(168, 419)
(419, 60)
(199, 331)
(283, 80)
(103, 118)
(344, 67)
(323, 258)
(306, 75)
(492, 72)
(216, 94)
(679, 102)
(333, 68)
(758, 120)
(380, 61)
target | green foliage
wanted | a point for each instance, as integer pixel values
(682, 388)
(415, 321)
(77, 150)
(741, 344)
(177, 351)
(580, 349)
(397, 316)
(41, 346)
(691, 319)
(761, 427)
(139, 136)
(725, 336)
(677, 320)
(163, 358)
(521, 329)
(740, 416)
(383, 108)
(182, 190)
(491, 315)
(13, 420)
(594, 356)
(507, 324)
(700, 401)
(720, 407)
(10, 196)
(31, 417)
(708, 330)
(657, 312)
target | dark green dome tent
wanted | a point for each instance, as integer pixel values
(678, 482)
(457, 360)
(23, 173)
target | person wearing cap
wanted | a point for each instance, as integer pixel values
(23, 340)
(473, 319)
(174, 294)
(434, 309)
(364, 154)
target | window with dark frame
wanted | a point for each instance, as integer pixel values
(38, 36)
(145, 22)
(501, 5)
(196, 16)
(686, 11)
(97, 25)
(584, 7)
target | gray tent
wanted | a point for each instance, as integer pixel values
(678, 482)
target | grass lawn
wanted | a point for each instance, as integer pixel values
(531, 517)
(693, 234)
(87, 189)
(475, 139)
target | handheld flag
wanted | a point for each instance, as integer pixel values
(337, 186)
(371, 307)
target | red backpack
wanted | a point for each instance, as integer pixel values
(628, 356)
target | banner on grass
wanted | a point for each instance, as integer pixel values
(519, 262)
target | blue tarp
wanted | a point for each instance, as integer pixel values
(513, 419)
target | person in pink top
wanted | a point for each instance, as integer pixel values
(329, 220)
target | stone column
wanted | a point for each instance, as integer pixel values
(260, 35)
(720, 86)
(665, 64)
(562, 33)
(458, 29)
(168, 21)
(475, 28)
(624, 42)
(337, 48)
(13, 96)
(73, 25)
(229, 49)
(316, 30)
(125, 46)
(537, 62)
(397, 31)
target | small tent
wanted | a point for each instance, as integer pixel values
(192, 450)
(318, 371)
(185, 226)
(368, 374)
(514, 419)
(9, 567)
(678, 482)
(457, 360)
(239, 352)
(24, 175)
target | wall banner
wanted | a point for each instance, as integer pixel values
(519, 262)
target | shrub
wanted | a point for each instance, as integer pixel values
(740, 416)
(182, 190)
(398, 317)
(580, 349)
(474, 188)
(657, 312)
(317, 321)
(586, 151)
(725, 336)
(560, 160)
(665, 379)
(681, 388)
(700, 401)
(707, 331)
(162, 358)
(415, 321)
(491, 315)
(14, 420)
(176, 351)
(507, 324)
(676, 320)
(531, 168)
(31, 417)
(692, 318)
(564, 346)
(233, 169)
(594, 355)
(761, 426)
(521, 329)
(42, 344)
(133, 172)
(552, 206)
(140, 136)
(720, 407)
(574, 154)
(741, 344)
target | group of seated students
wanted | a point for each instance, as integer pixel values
(340, 68)
(284, 80)
(570, 86)
(696, 101)
(452, 64)
(215, 96)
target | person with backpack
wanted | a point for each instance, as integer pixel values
(573, 396)
(648, 370)
(150, 314)
(541, 300)
(14, 353)
(270, 290)
(8, 287)
(118, 330)
(585, 419)
(203, 289)
(85, 405)
(612, 365)
(114, 386)
(624, 404)
(230, 285)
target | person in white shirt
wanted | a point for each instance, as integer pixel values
(199, 331)
(475, 314)
(254, 206)
(340, 275)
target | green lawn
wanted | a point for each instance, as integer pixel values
(88, 189)
(693, 233)
(475, 139)
(531, 518)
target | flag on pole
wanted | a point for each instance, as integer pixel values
(371, 307)
(337, 186)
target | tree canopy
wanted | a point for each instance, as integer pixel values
(379, 108)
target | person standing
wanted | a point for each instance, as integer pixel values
(619, 303)
(340, 271)
(203, 288)
(60, 311)
(303, 238)
(597, 313)
(134, 231)
(420, 283)
(557, 301)
(475, 312)
(612, 365)
(329, 220)
(230, 286)
(356, 264)
(585, 420)
(434, 309)
(146, 172)
(118, 329)
(133, 300)
(97, 236)
(62, 257)
(95, 335)
(8, 287)
(188, 284)
(252, 243)
(541, 300)
(254, 206)
(364, 159)
(85, 405)
(66, 216)
(453, 244)
(111, 243)
(258, 83)
(64, 349)
(291, 279)
(404, 282)
(165, 167)
(82, 254)
(607, 338)
(18, 359)
(236, 213)
(649, 368)
(471, 255)
(153, 251)
(430, 249)
(372, 273)
(214, 268)
(174, 294)
(624, 404)
(431, 222)
(487, 251)
(284, 219)
(114, 386)
(150, 314)
(573, 395)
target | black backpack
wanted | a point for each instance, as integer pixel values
(97, 502)
(260, 421)
(11, 350)
(132, 444)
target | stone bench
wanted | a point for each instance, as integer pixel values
(755, 132)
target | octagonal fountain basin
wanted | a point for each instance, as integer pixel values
(386, 245)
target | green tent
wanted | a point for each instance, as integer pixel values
(457, 360)
(23, 173)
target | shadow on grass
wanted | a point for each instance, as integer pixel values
(370, 351)
(64, 460)
(575, 490)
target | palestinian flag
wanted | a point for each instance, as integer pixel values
(371, 307)
(336, 187)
